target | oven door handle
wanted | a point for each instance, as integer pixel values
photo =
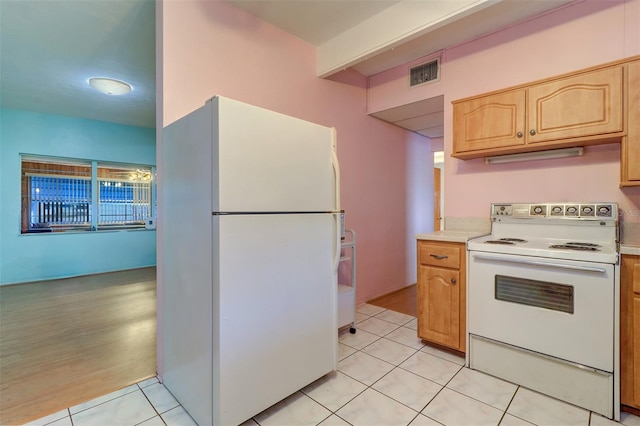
(541, 263)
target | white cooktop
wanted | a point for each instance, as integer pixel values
(542, 228)
(607, 252)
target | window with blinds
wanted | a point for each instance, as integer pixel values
(58, 195)
(125, 196)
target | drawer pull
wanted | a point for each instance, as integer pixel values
(439, 256)
(453, 280)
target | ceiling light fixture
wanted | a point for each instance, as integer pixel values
(537, 155)
(110, 86)
(140, 175)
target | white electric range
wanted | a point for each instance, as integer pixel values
(543, 301)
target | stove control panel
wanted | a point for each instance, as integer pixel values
(585, 211)
(501, 209)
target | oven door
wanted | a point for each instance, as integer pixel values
(556, 307)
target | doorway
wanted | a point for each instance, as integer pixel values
(438, 190)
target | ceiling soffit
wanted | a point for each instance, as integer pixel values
(372, 36)
(425, 117)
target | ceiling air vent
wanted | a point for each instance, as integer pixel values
(425, 73)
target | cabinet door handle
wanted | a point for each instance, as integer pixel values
(439, 256)
(532, 132)
(453, 280)
(519, 134)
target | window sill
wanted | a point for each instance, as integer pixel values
(101, 230)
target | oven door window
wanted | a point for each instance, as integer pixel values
(541, 294)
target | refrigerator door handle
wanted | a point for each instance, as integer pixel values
(338, 246)
(338, 215)
(336, 165)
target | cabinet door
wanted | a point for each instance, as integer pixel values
(630, 331)
(493, 121)
(630, 164)
(586, 104)
(439, 306)
(636, 347)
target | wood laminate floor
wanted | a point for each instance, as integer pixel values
(63, 342)
(403, 300)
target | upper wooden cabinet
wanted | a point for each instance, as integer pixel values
(588, 104)
(630, 149)
(489, 122)
(577, 109)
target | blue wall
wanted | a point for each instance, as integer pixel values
(33, 257)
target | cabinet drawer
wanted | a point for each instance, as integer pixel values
(445, 256)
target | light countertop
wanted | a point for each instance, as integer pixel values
(629, 249)
(456, 236)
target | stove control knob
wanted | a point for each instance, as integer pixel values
(572, 210)
(604, 211)
(587, 210)
(538, 210)
(556, 210)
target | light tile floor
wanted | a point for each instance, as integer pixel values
(385, 376)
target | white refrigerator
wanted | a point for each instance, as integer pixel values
(250, 228)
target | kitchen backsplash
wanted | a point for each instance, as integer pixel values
(630, 233)
(467, 224)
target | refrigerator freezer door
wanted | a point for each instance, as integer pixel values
(275, 314)
(266, 161)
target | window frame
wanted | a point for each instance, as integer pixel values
(134, 177)
(130, 177)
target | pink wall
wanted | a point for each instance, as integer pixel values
(210, 47)
(578, 36)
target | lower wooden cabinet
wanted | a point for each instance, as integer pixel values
(441, 293)
(630, 331)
